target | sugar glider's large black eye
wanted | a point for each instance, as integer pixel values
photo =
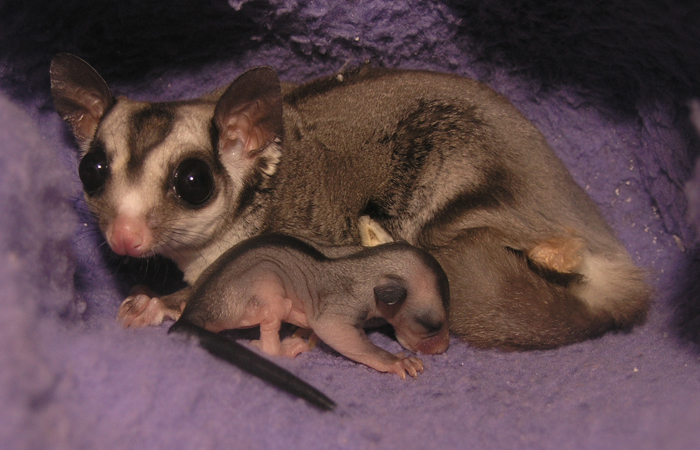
(94, 171)
(194, 182)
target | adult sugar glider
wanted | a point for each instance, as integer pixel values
(437, 160)
(274, 278)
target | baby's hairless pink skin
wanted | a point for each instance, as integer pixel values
(273, 279)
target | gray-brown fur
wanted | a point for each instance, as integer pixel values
(440, 161)
(271, 279)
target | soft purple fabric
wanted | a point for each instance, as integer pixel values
(607, 83)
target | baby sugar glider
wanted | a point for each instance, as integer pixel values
(275, 278)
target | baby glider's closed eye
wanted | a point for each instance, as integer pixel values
(390, 294)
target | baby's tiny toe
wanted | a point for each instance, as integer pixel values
(417, 364)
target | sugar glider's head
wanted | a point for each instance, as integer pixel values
(169, 178)
(413, 296)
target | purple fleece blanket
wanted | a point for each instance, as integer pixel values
(608, 83)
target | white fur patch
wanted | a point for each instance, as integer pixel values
(132, 204)
(273, 154)
(608, 283)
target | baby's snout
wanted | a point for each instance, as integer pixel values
(431, 344)
(434, 344)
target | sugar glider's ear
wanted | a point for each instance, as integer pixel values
(248, 117)
(80, 95)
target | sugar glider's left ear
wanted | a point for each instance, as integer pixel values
(81, 96)
(248, 117)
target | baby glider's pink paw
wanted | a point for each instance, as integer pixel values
(290, 346)
(308, 335)
(293, 345)
(404, 364)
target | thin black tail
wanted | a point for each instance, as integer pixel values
(249, 361)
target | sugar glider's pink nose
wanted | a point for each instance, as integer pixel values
(129, 236)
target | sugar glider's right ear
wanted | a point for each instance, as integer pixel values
(248, 117)
(80, 95)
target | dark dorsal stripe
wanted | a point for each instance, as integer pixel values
(149, 127)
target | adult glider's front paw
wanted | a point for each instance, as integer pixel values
(142, 310)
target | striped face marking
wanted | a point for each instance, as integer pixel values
(164, 178)
(156, 175)
(149, 128)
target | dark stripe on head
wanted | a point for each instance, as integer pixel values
(149, 127)
(443, 284)
(214, 136)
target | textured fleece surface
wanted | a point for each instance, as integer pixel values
(608, 83)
